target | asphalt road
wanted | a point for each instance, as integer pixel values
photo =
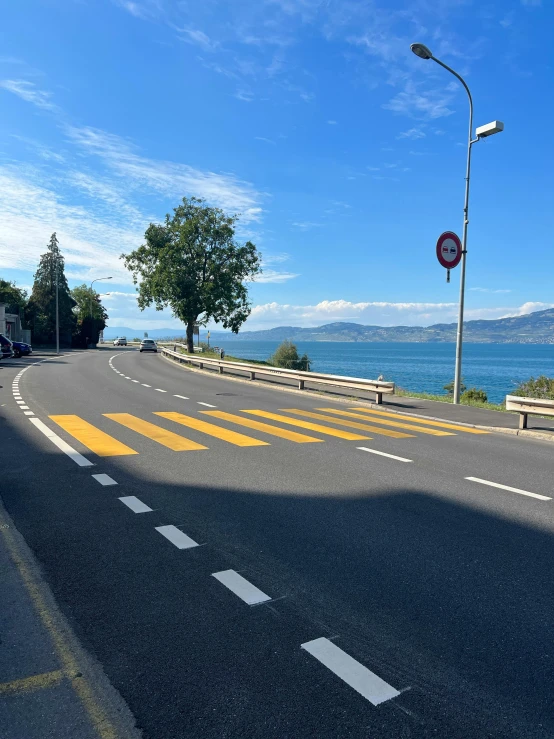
(381, 592)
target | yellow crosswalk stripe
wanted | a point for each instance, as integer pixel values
(208, 428)
(97, 441)
(407, 426)
(156, 433)
(350, 424)
(308, 425)
(439, 424)
(266, 428)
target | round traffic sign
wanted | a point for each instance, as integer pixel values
(449, 250)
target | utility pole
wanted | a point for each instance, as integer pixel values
(57, 307)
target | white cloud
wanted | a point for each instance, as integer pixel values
(412, 133)
(145, 9)
(263, 138)
(247, 96)
(488, 290)
(30, 93)
(306, 225)
(199, 38)
(416, 104)
(271, 275)
(168, 178)
(332, 123)
(532, 3)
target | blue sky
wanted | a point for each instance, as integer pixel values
(344, 152)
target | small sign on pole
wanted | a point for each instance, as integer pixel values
(449, 251)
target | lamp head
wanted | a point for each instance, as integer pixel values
(421, 51)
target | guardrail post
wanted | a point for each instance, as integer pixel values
(379, 398)
(201, 365)
(220, 369)
(301, 384)
(523, 420)
(252, 375)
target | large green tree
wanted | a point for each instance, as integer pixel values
(90, 314)
(41, 308)
(13, 296)
(193, 265)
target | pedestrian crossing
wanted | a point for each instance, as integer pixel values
(308, 427)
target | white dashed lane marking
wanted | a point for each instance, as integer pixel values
(145, 385)
(354, 674)
(176, 537)
(183, 397)
(61, 444)
(508, 488)
(208, 405)
(383, 454)
(104, 479)
(136, 505)
(160, 390)
(240, 586)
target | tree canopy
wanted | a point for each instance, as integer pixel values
(192, 264)
(90, 314)
(286, 356)
(41, 308)
(13, 296)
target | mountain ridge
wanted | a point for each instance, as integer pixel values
(532, 328)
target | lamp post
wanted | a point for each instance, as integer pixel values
(91, 284)
(423, 52)
(57, 310)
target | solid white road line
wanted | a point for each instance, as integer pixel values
(160, 390)
(61, 444)
(145, 385)
(240, 586)
(383, 454)
(177, 537)
(136, 505)
(104, 479)
(206, 404)
(365, 682)
(507, 487)
(183, 397)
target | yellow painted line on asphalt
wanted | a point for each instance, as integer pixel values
(350, 424)
(97, 441)
(308, 425)
(168, 439)
(407, 426)
(439, 424)
(67, 651)
(265, 428)
(34, 682)
(208, 428)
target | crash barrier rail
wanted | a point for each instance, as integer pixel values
(529, 406)
(314, 378)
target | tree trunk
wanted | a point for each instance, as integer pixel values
(190, 335)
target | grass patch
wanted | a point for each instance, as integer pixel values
(448, 399)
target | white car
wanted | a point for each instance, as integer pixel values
(122, 341)
(148, 345)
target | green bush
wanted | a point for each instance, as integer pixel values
(542, 387)
(286, 356)
(450, 387)
(474, 396)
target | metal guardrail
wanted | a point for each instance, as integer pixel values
(314, 378)
(529, 406)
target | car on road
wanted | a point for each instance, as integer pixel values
(21, 349)
(6, 350)
(148, 345)
(122, 341)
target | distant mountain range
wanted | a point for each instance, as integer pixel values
(533, 328)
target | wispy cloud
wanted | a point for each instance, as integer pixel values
(273, 276)
(306, 225)
(421, 104)
(263, 138)
(146, 10)
(332, 123)
(247, 96)
(198, 38)
(412, 133)
(532, 3)
(488, 290)
(29, 92)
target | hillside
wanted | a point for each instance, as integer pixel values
(534, 328)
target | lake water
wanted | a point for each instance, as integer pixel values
(495, 368)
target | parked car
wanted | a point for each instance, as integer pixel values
(20, 349)
(122, 341)
(148, 345)
(6, 350)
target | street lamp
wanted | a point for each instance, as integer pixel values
(91, 284)
(423, 52)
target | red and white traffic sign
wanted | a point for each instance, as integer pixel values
(449, 250)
